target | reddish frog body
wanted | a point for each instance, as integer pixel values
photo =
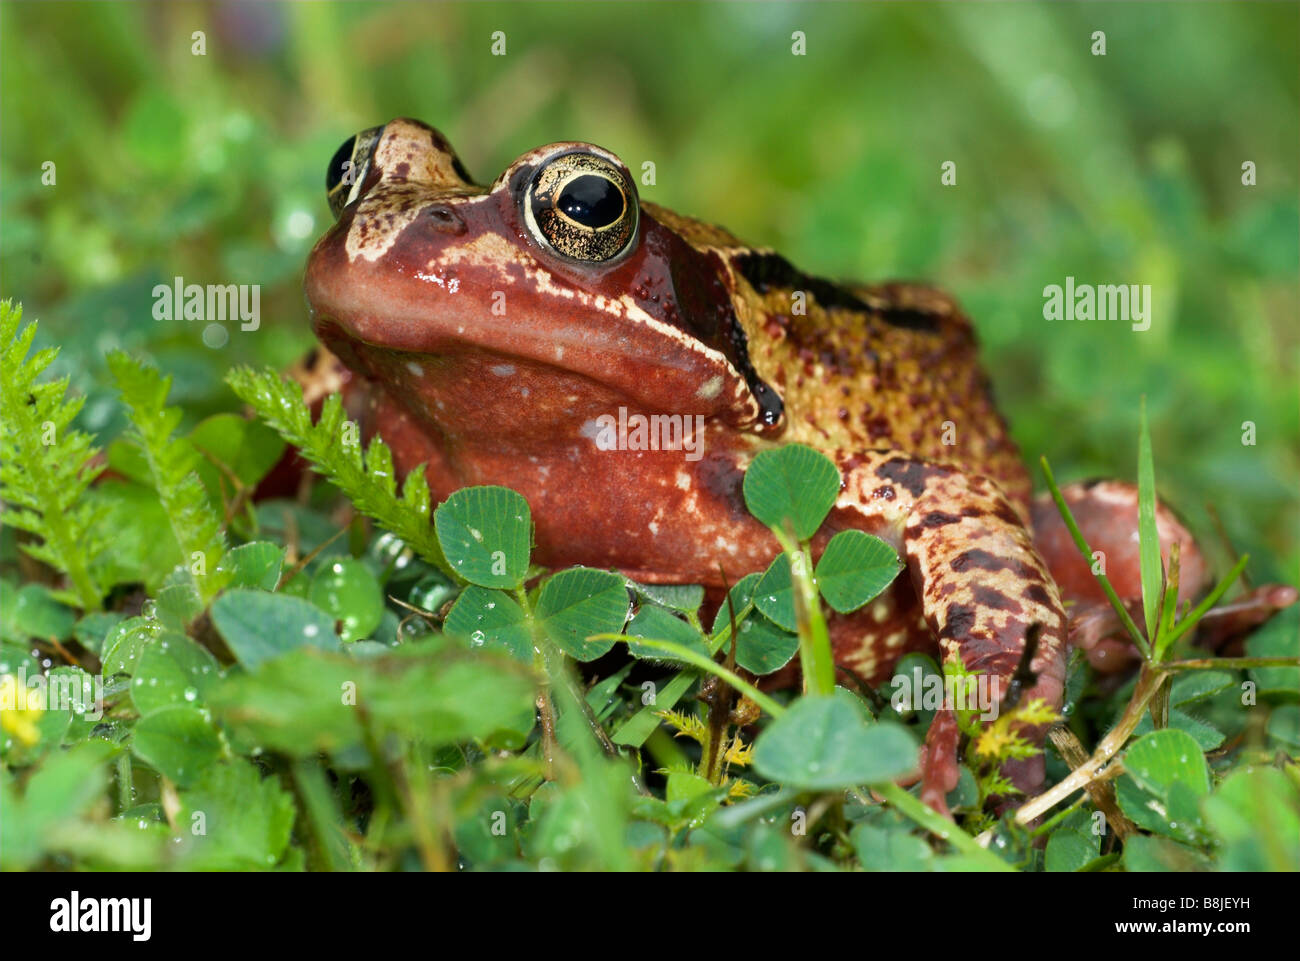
(495, 327)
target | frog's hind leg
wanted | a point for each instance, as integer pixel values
(1107, 514)
(982, 586)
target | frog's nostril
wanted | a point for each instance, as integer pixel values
(444, 219)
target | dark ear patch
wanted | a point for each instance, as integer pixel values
(766, 270)
(707, 313)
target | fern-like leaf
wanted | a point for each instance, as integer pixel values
(739, 754)
(686, 725)
(738, 789)
(195, 523)
(45, 466)
(332, 446)
(996, 784)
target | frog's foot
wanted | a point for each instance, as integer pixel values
(1225, 628)
(982, 586)
(1097, 629)
(1107, 514)
(939, 766)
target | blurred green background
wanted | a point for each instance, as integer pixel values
(1117, 169)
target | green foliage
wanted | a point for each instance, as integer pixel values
(576, 605)
(333, 446)
(792, 483)
(855, 568)
(657, 622)
(346, 589)
(172, 463)
(314, 669)
(46, 465)
(487, 535)
(774, 592)
(492, 620)
(178, 741)
(246, 821)
(792, 490)
(762, 645)
(824, 743)
(257, 626)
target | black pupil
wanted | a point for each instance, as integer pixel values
(334, 175)
(591, 200)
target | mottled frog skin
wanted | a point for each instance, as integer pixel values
(491, 328)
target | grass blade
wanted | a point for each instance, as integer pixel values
(1081, 542)
(1148, 535)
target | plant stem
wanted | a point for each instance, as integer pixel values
(1148, 534)
(1168, 605)
(545, 703)
(124, 788)
(1149, 682)
(1212, 598)
(815, 658)
(1101, 793)
(1229, 663)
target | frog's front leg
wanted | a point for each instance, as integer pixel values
(981, 583)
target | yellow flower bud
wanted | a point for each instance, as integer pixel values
(20, 709)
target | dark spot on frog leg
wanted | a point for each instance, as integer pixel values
(958, 623)
(981, 559)
(1004, 511)
(1038, 594)
(908, 474)
(995, 599)
(939, 519)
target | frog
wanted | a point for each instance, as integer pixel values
(488, 332)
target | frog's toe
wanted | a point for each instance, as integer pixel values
(939, 769)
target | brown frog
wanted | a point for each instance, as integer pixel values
(496, 329)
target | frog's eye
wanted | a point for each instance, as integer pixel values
(583, 207)
(348, 169)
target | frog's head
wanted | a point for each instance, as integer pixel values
(554, 287)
